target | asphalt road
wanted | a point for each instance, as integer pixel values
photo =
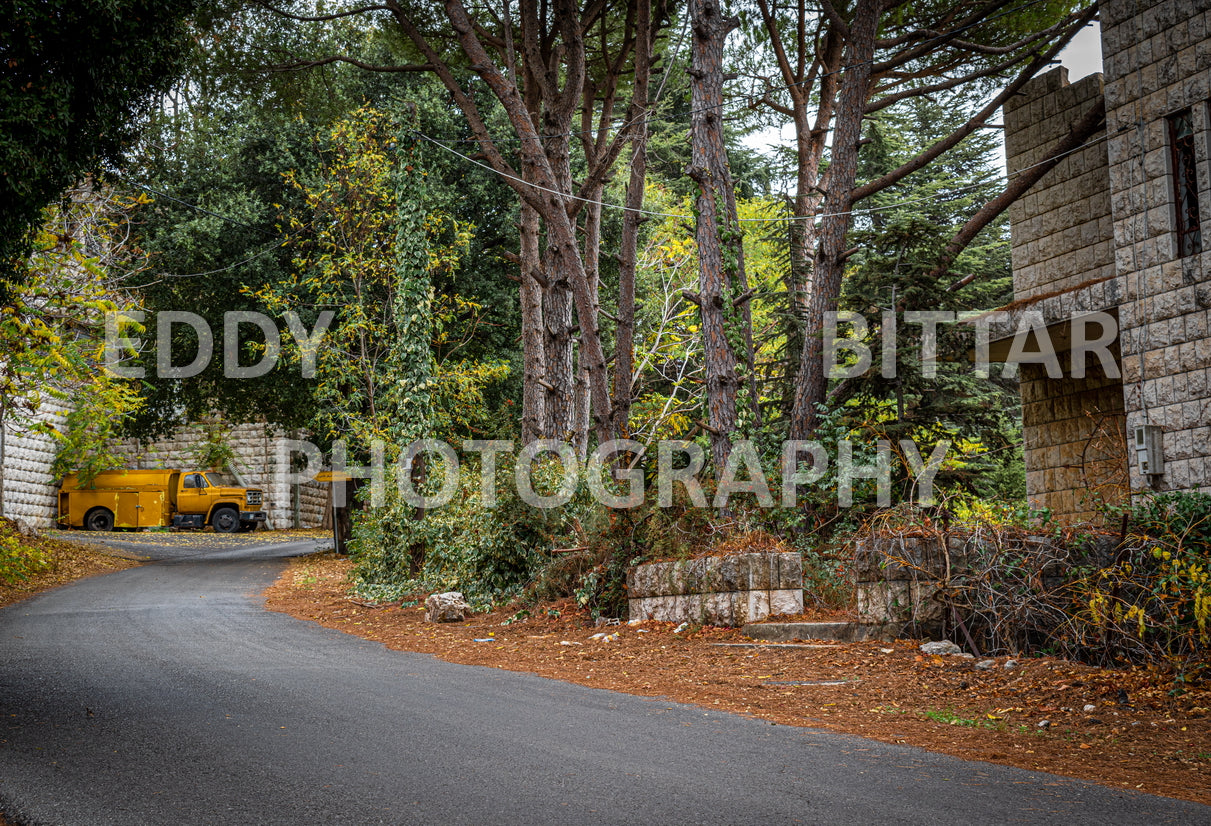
(166, 694)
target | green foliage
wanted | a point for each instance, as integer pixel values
(363, 247)
(75, 80)
(231, 164)
(898, 246)
(490, 554)
(1154, 600)
(410, 359)
(668, 337)
(19, 558)
(1183, 518)
(215, 451)
(53, 332)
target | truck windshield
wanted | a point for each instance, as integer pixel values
(221, 480)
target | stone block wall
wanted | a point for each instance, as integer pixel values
(1157, 59)
(1061, 229)
(255, 446)
(898, 578)
(27, 489)
(1064, 266)
(726, 590)
(910, 582)
(1076, 447)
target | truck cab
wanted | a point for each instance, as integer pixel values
(215, 498)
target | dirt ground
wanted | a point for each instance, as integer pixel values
(1119, 728)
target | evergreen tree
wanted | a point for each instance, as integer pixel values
(898, 240)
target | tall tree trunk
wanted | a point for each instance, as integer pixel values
(534, 357)
(739, 307)
(592, 263)
(624, 349)
(801, 82)
(811, 382)
(720, 257)
(557, 314)
(552, 187)
(557, 342)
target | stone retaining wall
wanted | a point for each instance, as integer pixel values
(726, 590)
(26, 488)
(900, 578)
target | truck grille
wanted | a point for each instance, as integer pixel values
(253, 497)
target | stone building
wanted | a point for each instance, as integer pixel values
(1115, 230)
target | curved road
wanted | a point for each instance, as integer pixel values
(166, 694)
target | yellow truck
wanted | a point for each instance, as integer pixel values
(158, 498)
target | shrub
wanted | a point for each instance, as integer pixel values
(19, 558)
(490, 554)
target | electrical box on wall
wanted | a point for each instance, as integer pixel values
(1148, 455)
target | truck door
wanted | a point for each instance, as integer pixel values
(194, 498)
(152, 513)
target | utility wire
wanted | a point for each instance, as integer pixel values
(202, 210)
(782, 219)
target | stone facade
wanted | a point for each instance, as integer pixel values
(1099, 234)
(26, 485)
(726, 590)
(255, 446)
(29, 492)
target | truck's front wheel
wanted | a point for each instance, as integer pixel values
(99, 519)
(226, 520)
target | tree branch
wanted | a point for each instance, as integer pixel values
(1080, 132)
(299, 65)
(933, 38)
(834, 17)
(941, 86)
(950, 141)
(308, 18)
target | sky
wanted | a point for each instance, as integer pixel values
(1083, 56)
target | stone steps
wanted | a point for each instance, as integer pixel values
(837, 631)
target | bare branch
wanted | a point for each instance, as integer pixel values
(299, 65)
(941, 86)
(937, 39)
(464, 101)
(978, 120)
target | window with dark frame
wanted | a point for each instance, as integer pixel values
(1185, 183)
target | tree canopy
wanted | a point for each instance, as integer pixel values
(77, 78)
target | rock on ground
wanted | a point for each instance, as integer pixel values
(941, 647)
(447, 607)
